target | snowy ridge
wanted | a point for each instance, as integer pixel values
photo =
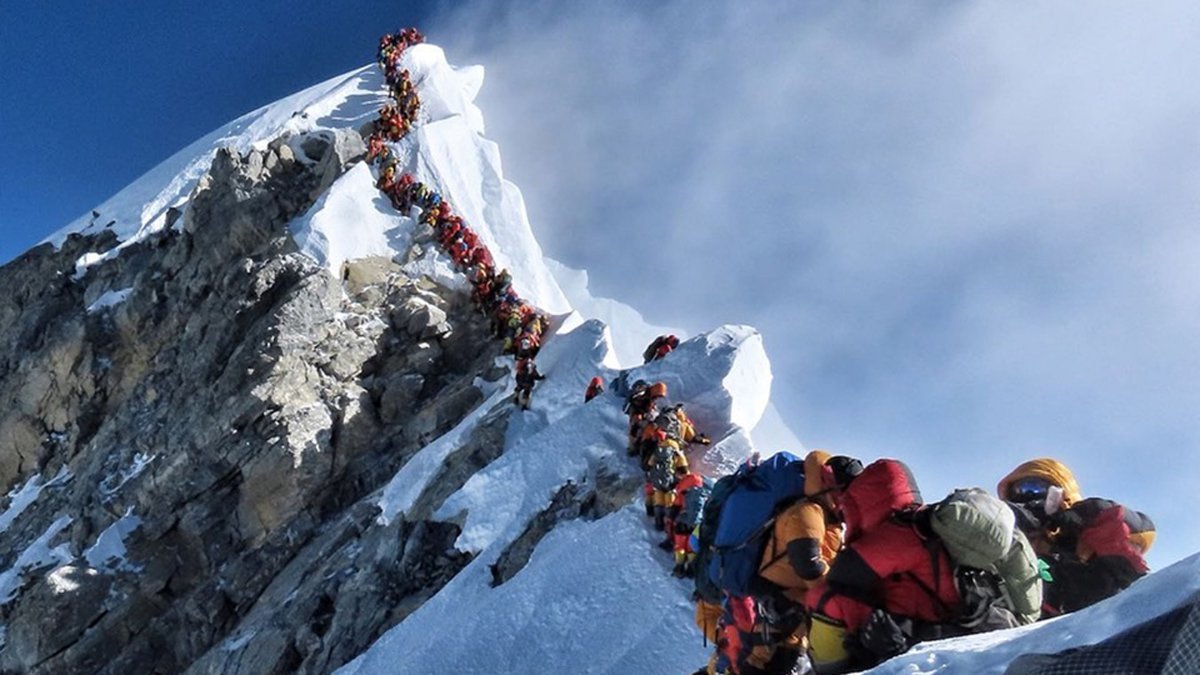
(723, 376)
(595, 596)
(448, 152)
(140, 209)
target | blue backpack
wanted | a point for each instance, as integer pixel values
(710, 516)
(746, 518)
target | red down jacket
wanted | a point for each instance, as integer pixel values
(884, 564)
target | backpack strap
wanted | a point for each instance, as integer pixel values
(932, 546)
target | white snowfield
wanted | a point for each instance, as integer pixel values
(596, 596)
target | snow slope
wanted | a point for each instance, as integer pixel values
(595, 596)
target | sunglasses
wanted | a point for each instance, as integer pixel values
(1028, 489)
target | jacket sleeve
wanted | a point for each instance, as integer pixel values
(1077, 584)
(805, 550)
(1100, 528)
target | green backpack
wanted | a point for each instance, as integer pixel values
(996, 567)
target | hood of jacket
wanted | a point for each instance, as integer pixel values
(814, 467)
(1050, 469)
(884, 487)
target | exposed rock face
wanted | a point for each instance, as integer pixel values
(241, 404)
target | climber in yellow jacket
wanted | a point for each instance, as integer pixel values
(803, 542)
(807, 535)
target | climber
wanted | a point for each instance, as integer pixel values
(1093, 548)
(802, 543)
(885, 583)
(482, 259)
(660, 347)
(387, 177)
(672, 420)
(502, 283)
(660, 474)
(594, 389)
(527, 377)
(536, 323)
(636, 391)
(806, 535)
(481, 281)
(527, 346)
(411, 36)
(376, 148)
(689, 488)
(686, 430)
(449, 233)
(642, 407)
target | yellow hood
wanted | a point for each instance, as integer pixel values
(1050, 469)
(814, 465)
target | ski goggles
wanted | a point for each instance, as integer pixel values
(1028, 489)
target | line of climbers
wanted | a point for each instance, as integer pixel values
(518, 323)
(824, 561)
(396, 119)
(846, 565)
(821, 556)
(659, 435)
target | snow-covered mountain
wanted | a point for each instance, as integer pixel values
(252, 423)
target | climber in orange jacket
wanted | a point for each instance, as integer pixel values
(681, 545)
(802, 544)
(1093, 548)
(641, 406)
(808, 534)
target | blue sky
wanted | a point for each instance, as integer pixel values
(967, 232)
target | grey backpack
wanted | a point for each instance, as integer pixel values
(996, 569)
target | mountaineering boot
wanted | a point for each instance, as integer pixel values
(649, 509)
(666, 544)
(679, 570)
(660, 519)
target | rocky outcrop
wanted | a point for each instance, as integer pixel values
(222, 409)
(610, 492)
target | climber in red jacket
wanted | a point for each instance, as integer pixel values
(885, 575)
(595, 388)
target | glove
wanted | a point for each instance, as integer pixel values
(883, 636)
(702, 439)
